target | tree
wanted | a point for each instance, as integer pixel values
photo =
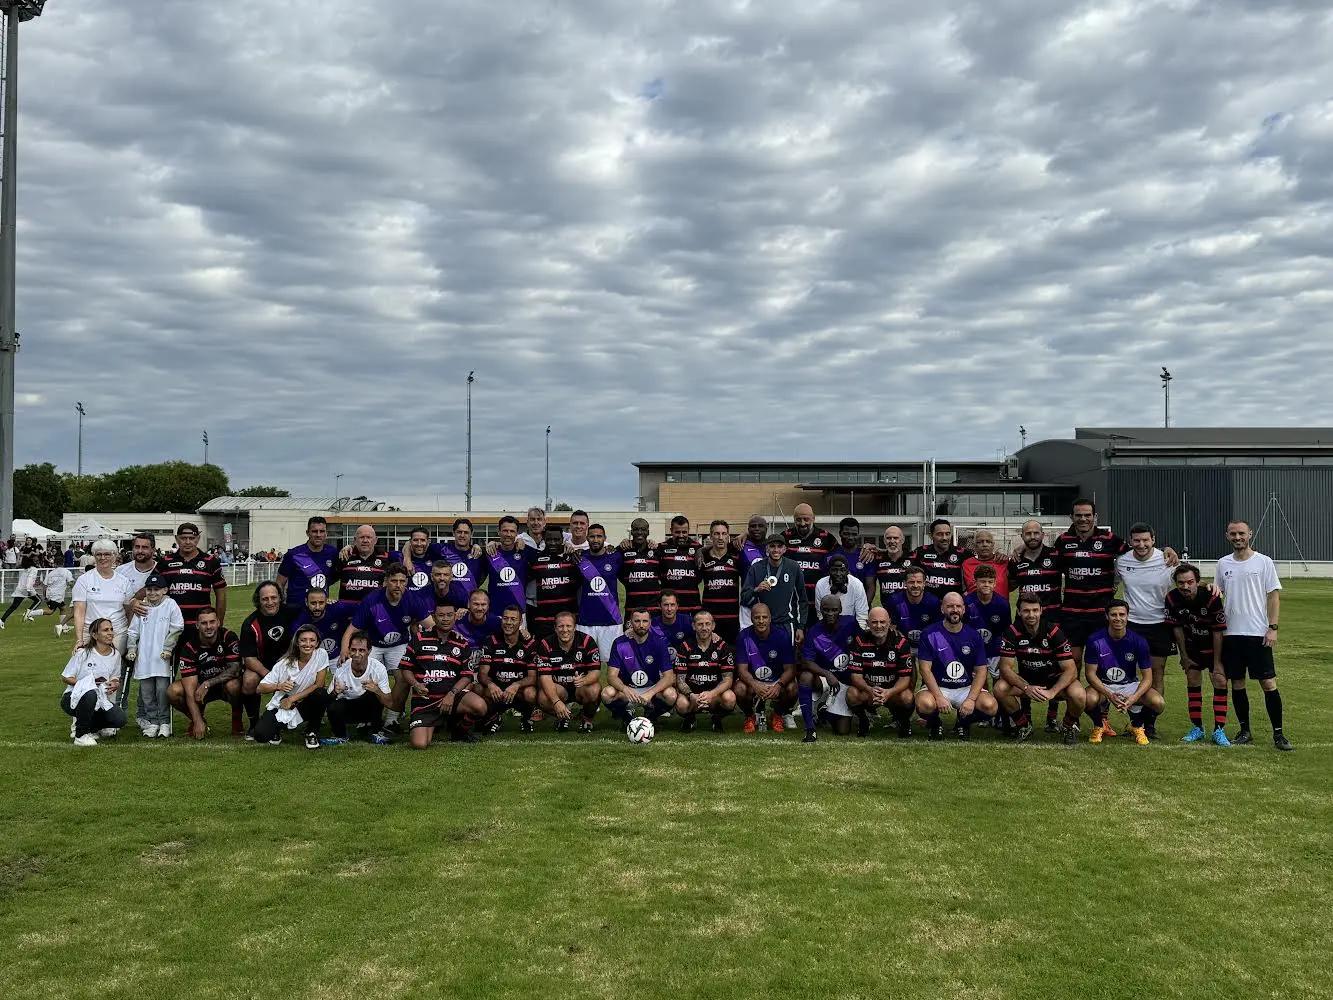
(563, 506)
(179, 487)
(261, 491)
(40, 493)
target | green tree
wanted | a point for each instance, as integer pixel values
(262, 491)
(179, 487)
(40, 493)
(562, 506)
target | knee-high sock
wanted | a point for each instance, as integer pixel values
(1195, 695)
(251, 703)
(806, 695)
(1273, 703)
(1241, 699)
(1219, 708)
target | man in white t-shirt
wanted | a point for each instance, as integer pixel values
(1248, 583)
(1146, 579)
(360, 689)
(847, 588)
(144, 562)
(57, 583)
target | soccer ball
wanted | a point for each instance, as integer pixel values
(640, 731)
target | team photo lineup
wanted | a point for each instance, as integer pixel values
(795, 629)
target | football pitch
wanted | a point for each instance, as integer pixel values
(699, 866)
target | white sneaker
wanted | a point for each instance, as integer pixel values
(150, 731)
(790, 720)
(164, 730)
(107, 733)
(32, 613)
(2, 624)
(86, 740)
(73, 727)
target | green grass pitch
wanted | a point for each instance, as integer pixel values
(700, 866)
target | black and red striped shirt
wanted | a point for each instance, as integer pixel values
(884, 665)
(206, 661)
(503, 662)
(891, 575)
(702, 668)
(1089, 568)
(944, 570)
(810, 552)
(437, 661)
(678, 567)
(360, 575)
(1201, 618)
(1038, 574)
(722, 584)
(191, 582)
(639, 573)
(1038, 656)
(556, 580)
(564, 665)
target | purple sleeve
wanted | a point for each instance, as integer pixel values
(286, 566)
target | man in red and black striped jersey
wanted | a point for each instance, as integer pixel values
(639, 569)
(678, 566)
(1198, 619)
(569, 667)
(438, 668)
(705, 672)
(1087, 558)
(1036, 665)
(883, 666)
(721, 567)
(210, 669)
(1034, 568)
(360, 567)
(508, 674)
(942, 560)
(809, 548)
(556, 580)
(890, 563)
(194, 578)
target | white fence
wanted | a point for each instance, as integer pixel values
(237, 575)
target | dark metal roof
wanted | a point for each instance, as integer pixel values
(1187, 437)
(1013, 485)
(788, 463)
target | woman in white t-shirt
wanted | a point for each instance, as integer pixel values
(102, 593)
(25, 589)
(297, 683)
(93, 678)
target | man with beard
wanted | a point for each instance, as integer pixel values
(941, 559)
(142, 566)
(210, 669)
(469, 566)
(779, 584)
(264, 639)
(881, 668)
(1037, 665)
(720, 568)
(327, 618)
(914, 609)
(599, 593)
(438, 667)
(508, 569)
(951, 659)
(479, 623)
(639, 672)
(1034, 568)
(556, 579)
(508, 673)
(809, 547)
(678, 564)
(193, 577)
(846, 587)
(640, 569)
(388, 617)
(307, 566)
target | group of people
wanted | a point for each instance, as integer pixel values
(794, 627)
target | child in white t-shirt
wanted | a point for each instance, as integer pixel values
(152, 641)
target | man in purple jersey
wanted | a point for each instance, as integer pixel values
(765, 670)
(327, 618)
(307, 566)
(752, 551)
(480, 623)
(469, 566)
(417, 559)
(508, 568)
(599, 597)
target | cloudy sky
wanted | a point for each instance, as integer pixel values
(729, 230)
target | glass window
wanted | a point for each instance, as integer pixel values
(747, 476)
(729, 476)
(1242, 460)
(1319, 459)
(1282, 460)
(945, 476)
(710, 476)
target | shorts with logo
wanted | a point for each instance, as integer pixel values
(1242, 653)
(1161, 641)
(954, 696)
(604, 636)
(1078, 628)
(390, 656)
(427, 712)
(1121, 690)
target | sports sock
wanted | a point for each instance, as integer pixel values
(900, 714)
(861, 713)
(251, 703)
(619, 711)
(1195, 693)
(932, 721)
(965, 721)
(590, 710)
(1136, 716)
(1241, 699)
(1219, 708)
(1052, 711)
(1273, 702)
(524, 709)
(390, 717)
(1096, 713)
(806, 695)
(746, 705)
(1149, 720)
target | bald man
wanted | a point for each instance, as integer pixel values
(889, 564)
(985, 554)
(881, 661)
(360, 567)
(809, 547)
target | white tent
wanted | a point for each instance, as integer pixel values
(91, 530)
(26, 528)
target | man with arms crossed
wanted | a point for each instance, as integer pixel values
(1249, 585)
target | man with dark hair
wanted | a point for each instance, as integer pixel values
(438, 666)
(194, 578)
(308, 565)
(264, 639)
(752, 551)
(669, 622)
(639, 672)
(210, 669)
(469, 565)
(914, 609)
(417, 559)
(859, 558)
(1117, 672)
(678, 564)
(360, 692)
(328, 618)
(1037, 664)
(599, 592)
(988, 613)
(985, 554)
(508, 672)
(824, 669)
(778, 583)
(808, 547)
(1197, 618)
(579, 523)
(143, 550)
(568, 668)
(720, 567)
(509, 560)
(942, 559)
(1143, 573)
(556, 583)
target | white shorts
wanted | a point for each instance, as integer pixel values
(954, 696)
(390, 656)
(836, 704)
(1123, 690)
(993, 668)
(604, 636)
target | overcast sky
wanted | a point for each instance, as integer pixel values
(719, 230)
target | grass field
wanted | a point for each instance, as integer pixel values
(699, 866)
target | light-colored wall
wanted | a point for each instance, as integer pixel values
(734, 502)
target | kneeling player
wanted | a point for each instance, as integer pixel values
(705, 670)
(1118, 671)
(438, 668)
(824, 668)
(1037, 664)
(765, 670)
(880, 659)
(639, 673)
(953, 665)
(508, 675)
(568, 665)
(360, 691)
(210, 670)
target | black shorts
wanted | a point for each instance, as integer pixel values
(1161, 640)
(1241, 653)
(215, 692)
(1079, 627)
(56, 605)
(427, 713)
(1044, 679)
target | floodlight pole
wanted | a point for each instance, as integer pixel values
(471, 377)
(205, 447)
(82, 413)
(1166, 397)
(548, 468)
(9, 341)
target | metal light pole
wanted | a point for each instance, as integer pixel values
(1023, 435)
(205, 447)
(82, 412)
(336, 480)
(15, 12)
(1166, 397)
(470, 380)
(548, 468)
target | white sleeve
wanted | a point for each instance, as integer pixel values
(136, 626)
(821, 589)
(380, 675)
(861, 605)
(1271, 582)
(175, 620)
(81, 588)
(72, 667)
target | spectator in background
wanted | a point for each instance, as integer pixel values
(25, 589)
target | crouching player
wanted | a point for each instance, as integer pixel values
(210, 670)
(508, 674)
(705, 671)
(825, 670)
(639, 673)
(1118, 669)
(568, 665)
(360, 692)
(765, 670)
(438, 668)
(880, 660)
(1037, 664)
(952, 660)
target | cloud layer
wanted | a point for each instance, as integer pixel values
(841, 230)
